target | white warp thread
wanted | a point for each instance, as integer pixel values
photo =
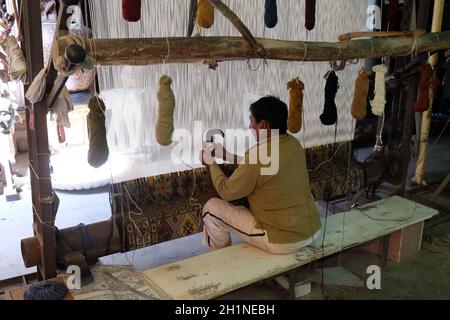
(217, 97)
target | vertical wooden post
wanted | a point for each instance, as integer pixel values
(408, 125)
(426, 116)
(39, 154)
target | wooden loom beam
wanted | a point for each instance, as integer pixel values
(352, 35)
(143, 51)
(42, 193)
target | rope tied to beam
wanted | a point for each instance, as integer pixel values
(414, 43)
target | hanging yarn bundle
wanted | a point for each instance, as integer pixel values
(379, 102)
(271, 79)
(36, 91)
(98, 151)
(295, 118)
(166, 101)
(16, 60)
(131, 10)
(205, 14)
(359, 103)
(48, 290)
(63, 105)
(446, 88)
(426, 79)
(310, 14)
(329, 115)
(407, 13)
(270, 13)
(392, 15)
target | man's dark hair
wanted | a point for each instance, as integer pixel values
(273, 110)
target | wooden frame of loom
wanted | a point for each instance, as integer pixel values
(40, 249)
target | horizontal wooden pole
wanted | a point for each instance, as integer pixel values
(99, 235)
(383, 34)
(143, 51)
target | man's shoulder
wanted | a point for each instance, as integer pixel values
(293, 141)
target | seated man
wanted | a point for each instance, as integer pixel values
(283, 216)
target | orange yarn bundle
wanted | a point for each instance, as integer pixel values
(426, 80)
(295, 118)
(205, 14)
(359, 104)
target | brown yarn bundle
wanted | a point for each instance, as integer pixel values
(446, 88)
(166, 107)
(426, 80)
(329, 116)
(359, 104)
(295, 118)
(310, 14)
(392, 15)
(98, 146)
(205, 14)
(407, 12)
(131, 10)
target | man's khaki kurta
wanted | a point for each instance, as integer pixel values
(281, 203)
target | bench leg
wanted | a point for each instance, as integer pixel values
(385, 250)
(292, 282)
(297, 282)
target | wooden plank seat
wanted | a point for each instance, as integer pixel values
(216, 273)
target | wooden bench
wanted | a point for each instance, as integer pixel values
(216, 273)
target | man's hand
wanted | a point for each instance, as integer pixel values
(219, 151)
(206, 157)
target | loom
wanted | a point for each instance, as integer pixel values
(132, 57)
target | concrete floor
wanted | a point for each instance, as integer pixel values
(411, 279)
(424, 276)
(16, 223)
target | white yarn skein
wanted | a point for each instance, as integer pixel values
(379, 102)
(166, 99)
